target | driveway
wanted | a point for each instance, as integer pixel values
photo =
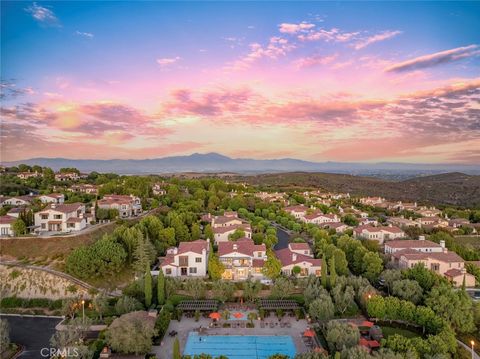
(33, 333)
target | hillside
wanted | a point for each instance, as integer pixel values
(456, 189)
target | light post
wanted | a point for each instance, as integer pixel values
(473, 344)
(83, 311)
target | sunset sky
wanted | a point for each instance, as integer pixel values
(320, 81)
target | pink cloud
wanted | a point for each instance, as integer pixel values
(385, 35)
(435, 59)
(167, 61)
(314, 60)
(287, 28)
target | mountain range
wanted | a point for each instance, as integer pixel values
(216, 163)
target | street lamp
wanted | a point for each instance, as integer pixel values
(473, 344)
(83, 311)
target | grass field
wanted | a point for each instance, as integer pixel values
(41, 251)
(388, 331)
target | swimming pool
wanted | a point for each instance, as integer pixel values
(239, 346)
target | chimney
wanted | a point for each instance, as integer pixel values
(421, 238)
(53, 206)
(442, 244)
(294, 257)
(235, 246)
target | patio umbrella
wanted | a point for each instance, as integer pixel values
(238, 315)
(309, 333)
(215, 315)
(366, 323)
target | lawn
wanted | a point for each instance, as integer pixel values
(36, 249)
(388, 331)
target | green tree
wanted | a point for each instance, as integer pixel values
(296, 270)
(455, 306)
(131, 333)
(127, 304)
(408, 289)
(223, 291)
(282, 288)
(251, 289)
(196, 231)
(100, 304)
(376, 307)
(343, 298)
(215, 266)
(209, 232)
(19, 228)
(196, 288)
(148, 287)
(333, 272)
(390, 276)
(144, 254)
(160, 287)
(341, 335)
(324, 273)
(321, 309)
(272, 266)
(372, 265)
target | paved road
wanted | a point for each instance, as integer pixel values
(33, 333)
(283, 239)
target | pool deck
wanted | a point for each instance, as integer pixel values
(186, 325)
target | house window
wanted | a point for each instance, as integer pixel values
(168, 270)
(192, 270)
(183, 261)
(305, 252)
(70, 225)
(435, 267)
(44, 216)
(57, 216)
(198, 260)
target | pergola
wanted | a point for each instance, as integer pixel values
(273, 304)
(202, 305)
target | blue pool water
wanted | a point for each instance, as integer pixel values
(239, 346)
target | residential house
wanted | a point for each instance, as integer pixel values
(428, 212)
(403, 222)
(339, 227)
(301, 248)
(58, 198)
(221, 234)
(158, 189)
(372, 201)
(369, 221)
(84, 188)
(6, 225)
(242, 259)
(17, 200)
(270, 197)
(432, 222)
(127, 206)
(290, 258)
(445, 263)
(67, 176)
(319, 218)
(297, 211)
(421, 245)
(61, 218)
(27, 175)
(190, 259)
(379, 234)
(16, 211)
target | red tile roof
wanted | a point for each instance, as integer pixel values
(412, 243)
(195, 246)
(447, 257)
(7, 219)
(64, 208)
(286, 257)
(244, 246)
(244, 227)
(299, 246)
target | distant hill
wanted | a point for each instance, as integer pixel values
(214, 163)
(457, 189)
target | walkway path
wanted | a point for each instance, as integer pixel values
(469, 349)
